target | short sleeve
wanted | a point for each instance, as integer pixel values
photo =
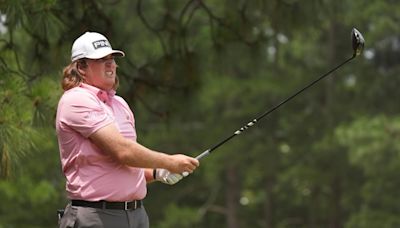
(83, 112)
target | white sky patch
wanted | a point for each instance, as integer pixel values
(271, 50)
(350, 80)
(284, 148)
(244, 200)
(369, 53)
(282, 38)
(3, 28)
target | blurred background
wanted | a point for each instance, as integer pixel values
(197, 70)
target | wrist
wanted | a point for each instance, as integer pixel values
(170, 162)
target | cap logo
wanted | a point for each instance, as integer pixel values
(100, 44)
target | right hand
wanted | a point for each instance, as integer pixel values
(180, 163)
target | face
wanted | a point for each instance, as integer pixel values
(101, 73)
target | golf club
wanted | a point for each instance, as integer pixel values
(358, 46)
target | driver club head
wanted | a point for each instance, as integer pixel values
(358, 41)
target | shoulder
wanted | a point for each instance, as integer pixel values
(77, 94)
(120, 99)
(78, 98)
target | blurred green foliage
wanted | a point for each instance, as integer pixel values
(195, 72)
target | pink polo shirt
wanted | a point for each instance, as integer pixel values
(91, 173)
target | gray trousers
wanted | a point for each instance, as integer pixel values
(79, 217)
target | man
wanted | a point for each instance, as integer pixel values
(106, 170)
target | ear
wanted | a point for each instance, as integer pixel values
(81, 67)
(81, 71)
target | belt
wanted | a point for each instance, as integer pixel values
(128, 205)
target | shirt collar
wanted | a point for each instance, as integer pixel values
(103, 95)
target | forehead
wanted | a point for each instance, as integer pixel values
(110, 56)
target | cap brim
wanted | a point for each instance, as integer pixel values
(104, 53)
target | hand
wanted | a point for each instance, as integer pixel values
(180, 163)
(167, 177)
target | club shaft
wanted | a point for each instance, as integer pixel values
(256, 120)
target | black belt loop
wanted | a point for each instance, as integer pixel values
(127, 205)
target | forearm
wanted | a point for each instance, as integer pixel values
(138, 155)
(131, 153)
(127, 151)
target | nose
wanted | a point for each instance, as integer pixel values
(110, 62)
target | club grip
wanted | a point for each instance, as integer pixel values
(202, 155)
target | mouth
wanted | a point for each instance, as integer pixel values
(109, 73)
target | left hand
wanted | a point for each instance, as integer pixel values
(167, 177)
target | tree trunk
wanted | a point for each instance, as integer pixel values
(336, 208)
(315, 210)
(335, 213)
(232, 198)
(268, 204)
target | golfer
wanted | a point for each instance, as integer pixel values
(106, 170)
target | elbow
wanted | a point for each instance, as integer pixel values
(124, 152)
(123, 156)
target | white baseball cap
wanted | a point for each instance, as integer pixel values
(92, 45)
